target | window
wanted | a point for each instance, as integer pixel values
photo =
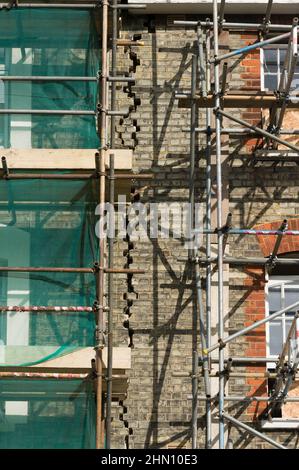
(45, 43)
(46, 223)
(59, 414)
(272, 60)
(281, 292)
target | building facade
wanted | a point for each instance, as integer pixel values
(165, 314)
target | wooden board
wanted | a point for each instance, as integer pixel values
(82, 359)
(63, 159)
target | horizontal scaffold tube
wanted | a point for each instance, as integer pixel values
(257, 100)
(71, 176)
(42, 375)
(96, 4)
(261, 375)
(50, 111)
(250, 399)
(8, 6)
(43, 308)
(260, 261)
(30, 269)
(246, 261)
(43, 78)
(238, 26)
(241, 360)
(238, 130)
(245, 231)
(136, 6)
(264, 375)
(23, 269)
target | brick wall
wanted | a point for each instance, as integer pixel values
(251, 82)
(256, 339)
(288, 243)
(158, 408)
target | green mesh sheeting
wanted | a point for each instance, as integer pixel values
(47, 414)
(46, 223)
(48, 42)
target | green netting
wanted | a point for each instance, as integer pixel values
(48, 42)
(47, 414)
(46, 223)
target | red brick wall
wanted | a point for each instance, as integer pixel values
(251, 79)
(255, 339)
(255, 282)
(255, 308)
(288, 243)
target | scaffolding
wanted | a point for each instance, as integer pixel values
(104, 265)
(205, 65)
(211, 95)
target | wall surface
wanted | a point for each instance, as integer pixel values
(155, 318)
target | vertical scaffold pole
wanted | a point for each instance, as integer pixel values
(111, 239)
(201, 64)
(219, 225)
(208, 227)
(198, 279)
(266, 20)
(113, 70)
(102, 129)
(110, 305)
(191, 252)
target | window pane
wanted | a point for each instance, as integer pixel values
(289, 319)
(288, 323)
(283, 53)
(274, 299)
(270, 56)
(295, 83)
(270, 82)
(280, 326)
(275, 329)
(291, 296)
(271, 68)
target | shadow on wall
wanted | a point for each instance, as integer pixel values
(169, 173)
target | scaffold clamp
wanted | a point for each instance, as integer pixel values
(222, 344)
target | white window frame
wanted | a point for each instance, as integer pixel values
(270, 282)
(276, 423)
(262, 64)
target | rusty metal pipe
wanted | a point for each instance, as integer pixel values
(44, 269)
(72, 176)
(42, 375)
(43, 308)
(102, 128)
(29, 269)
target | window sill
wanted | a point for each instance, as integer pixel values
(280, 423)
